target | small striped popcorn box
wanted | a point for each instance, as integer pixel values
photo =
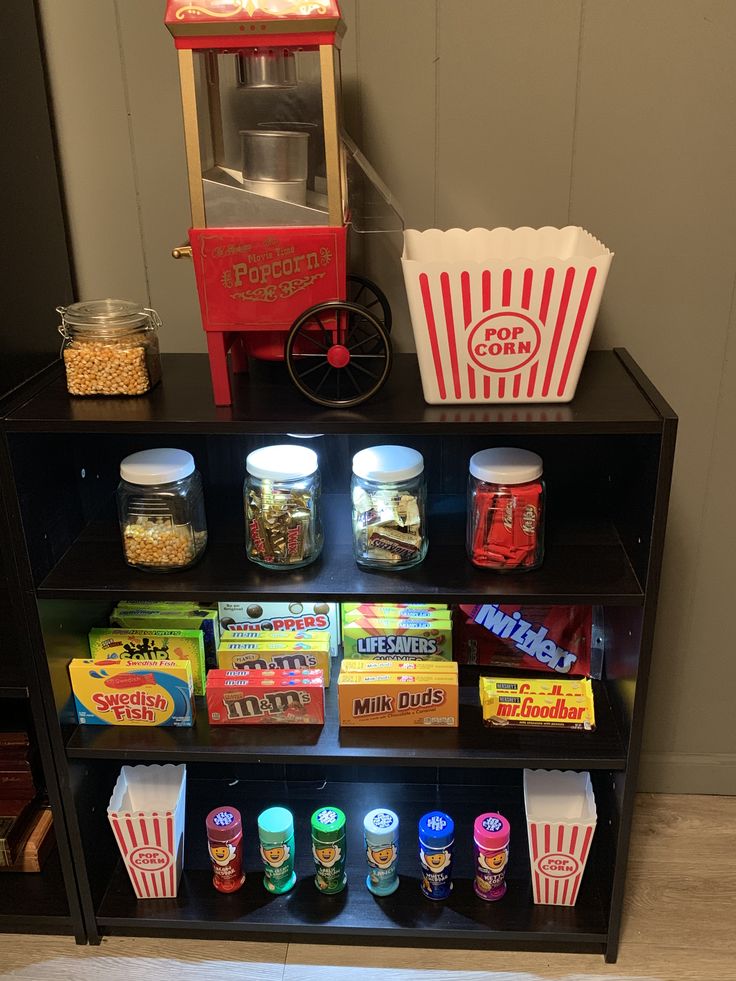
(146, 812)
(503, 315)
(561, 819)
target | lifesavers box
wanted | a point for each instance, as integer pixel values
(503, 315)
(561, 819)
(146, 813)
(132, 693)
(402, 640)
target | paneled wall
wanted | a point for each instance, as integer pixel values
(613, 114)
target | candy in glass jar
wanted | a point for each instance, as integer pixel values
(506, 498)
(389, 503)
(283, 526)
(225, 846)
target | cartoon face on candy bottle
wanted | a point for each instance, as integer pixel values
(222, 854)
(435, 861)
(327, 855)
(383, 857)
(495, 862)
(276, 855)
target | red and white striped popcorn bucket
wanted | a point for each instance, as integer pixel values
(503, 315)
(561, 818)
(146, 812)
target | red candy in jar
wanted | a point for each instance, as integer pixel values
(506, 510)
(225, 846)
(491, 834)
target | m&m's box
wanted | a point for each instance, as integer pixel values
(266, 697)
(133, 693)
(286, 654)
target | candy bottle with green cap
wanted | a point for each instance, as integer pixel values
(328, 849)
(381, 829)
(276, 834)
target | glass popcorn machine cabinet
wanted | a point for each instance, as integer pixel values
(274, 186)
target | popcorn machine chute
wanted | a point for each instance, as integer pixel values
(274, 185)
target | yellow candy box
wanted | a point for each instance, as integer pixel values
(242, 655)
(122, 644)
(132, 693)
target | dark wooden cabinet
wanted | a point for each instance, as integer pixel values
(608, 460)
(36, 278)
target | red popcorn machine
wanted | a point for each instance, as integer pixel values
(275, 185)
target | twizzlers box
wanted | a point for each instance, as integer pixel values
(561, 819)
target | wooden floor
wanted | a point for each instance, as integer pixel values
(680, 925)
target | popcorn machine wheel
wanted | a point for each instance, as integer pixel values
(274, 185)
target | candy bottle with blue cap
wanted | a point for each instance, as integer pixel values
(381, 829)
(436, 841)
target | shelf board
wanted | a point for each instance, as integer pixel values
(608, 400)
(13, 691)
(470, 745)
(585, 562)
(356, 916)
(33, 900)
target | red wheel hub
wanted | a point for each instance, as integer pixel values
(338, 356)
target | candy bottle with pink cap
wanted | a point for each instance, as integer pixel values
(491, 833)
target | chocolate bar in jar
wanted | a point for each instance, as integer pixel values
(506, 499)
(283, 527)
(388, 507)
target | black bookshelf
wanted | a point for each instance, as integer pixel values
(608, 459)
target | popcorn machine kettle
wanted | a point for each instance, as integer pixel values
(274, 184)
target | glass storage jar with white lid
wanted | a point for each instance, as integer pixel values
(161, 510)
(389, 495)
(506, 504)
(282, 494)
(110, 347)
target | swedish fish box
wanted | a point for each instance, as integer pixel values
(414, 640)
(558, 703)
(171, 615)
(309, 615)
(132, 693)
(266, 698)
(421, 699)
(119, 643)
(249, 655)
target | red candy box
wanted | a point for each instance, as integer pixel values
(536, 638)
(265, 697)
